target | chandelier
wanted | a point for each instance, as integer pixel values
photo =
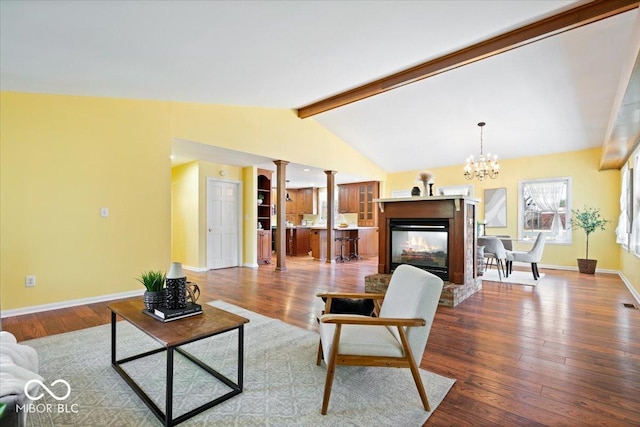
(483, 167)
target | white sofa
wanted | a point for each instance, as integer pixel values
(18, 365)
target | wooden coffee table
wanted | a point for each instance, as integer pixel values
(171, 336)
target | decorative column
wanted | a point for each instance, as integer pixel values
(331, 201)
(281, 215)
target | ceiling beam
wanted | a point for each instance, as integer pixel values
(581, 15)
(623, 129)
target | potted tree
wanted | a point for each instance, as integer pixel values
(154, 296)
(589, 220)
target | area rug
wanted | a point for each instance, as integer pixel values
(515, 278)
(282, 384)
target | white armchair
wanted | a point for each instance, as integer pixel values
(396, 338)
(18, 366)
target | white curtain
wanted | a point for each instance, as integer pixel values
(635, 224)
(623, 228)
(547, 196)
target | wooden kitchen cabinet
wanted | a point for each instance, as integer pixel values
(292, 205)
(302, 242)
(307, 201)
(348, 198)
(358, 198)
(368, 243)
(367, 212)
(264, 247)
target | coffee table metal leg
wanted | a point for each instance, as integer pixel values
(113, 338)
(169, 409)
(240, 357)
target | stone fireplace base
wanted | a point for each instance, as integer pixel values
(452, 294)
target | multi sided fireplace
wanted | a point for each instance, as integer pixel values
(423, 243)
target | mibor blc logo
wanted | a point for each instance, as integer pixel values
(62, 394)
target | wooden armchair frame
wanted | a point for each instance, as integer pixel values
(363, 360)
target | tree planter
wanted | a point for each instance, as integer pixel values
(587, 266)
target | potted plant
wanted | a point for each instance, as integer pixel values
(589, 220)
(260, 198)
(154, 296)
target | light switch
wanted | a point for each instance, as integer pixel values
(104, 212)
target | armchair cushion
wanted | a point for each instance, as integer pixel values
(351, 306)
(374, 340)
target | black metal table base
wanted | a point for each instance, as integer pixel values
(166, 417)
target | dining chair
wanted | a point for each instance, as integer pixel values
(533, 256)
(494, 249)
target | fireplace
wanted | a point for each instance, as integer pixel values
(422, 243)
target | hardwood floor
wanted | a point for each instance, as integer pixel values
(566, 352)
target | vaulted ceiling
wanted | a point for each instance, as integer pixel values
(573, 90)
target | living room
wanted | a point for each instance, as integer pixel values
(65, 156)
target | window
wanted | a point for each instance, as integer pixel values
(544, 205)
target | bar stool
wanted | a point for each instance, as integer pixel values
(354, 254)
(341, 257)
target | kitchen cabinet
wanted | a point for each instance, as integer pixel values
(307, 201)
(302, 242)
(264, 247)
(358, 198)
(367, 212)
(298, 241)
(348, 198)
(292, 204)
(368, 243)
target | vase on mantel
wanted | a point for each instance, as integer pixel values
(430, 189)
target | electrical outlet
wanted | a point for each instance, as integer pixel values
(104, 212)
(30, 281)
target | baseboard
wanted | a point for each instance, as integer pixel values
(70, 303)
(633, 291)
(563, 267)
(250, 265)
(196, 269)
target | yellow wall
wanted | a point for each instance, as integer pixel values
(273, 133)
(185, 214)
(62, 159)
(65, 157)
(589, 186)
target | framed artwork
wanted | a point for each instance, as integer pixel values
(495, 207)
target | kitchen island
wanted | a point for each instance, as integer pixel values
(367, 243)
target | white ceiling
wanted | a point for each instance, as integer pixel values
(551, 96)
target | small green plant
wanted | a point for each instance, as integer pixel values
(589, 220)
(152, 280)
(260, 196)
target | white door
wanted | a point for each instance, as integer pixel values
(222, 224)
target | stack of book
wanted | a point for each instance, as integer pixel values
(168, 314)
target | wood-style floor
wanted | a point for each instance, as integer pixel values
(565, 353)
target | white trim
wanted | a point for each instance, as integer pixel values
(70, 303)
(564, 267)
(196, 269)
(633, 291)
(250, 265)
